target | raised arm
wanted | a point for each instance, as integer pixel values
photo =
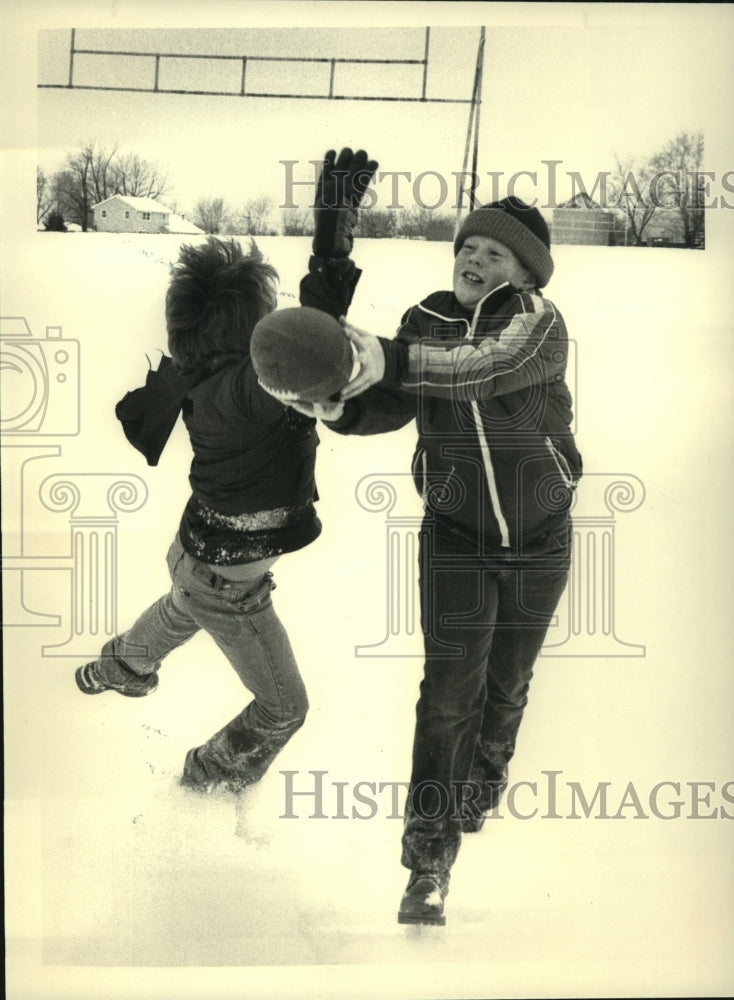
(332, 275)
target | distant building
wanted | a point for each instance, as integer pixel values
(582, 221)
(665, 229)
(125, 214)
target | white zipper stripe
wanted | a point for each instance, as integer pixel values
(430, 312)
(560, 463)
(458, 319)
(478, 307)
(487, 457)
(481, 436)
(491, 481)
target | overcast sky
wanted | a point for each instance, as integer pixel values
(568, 82)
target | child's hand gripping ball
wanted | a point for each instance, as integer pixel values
(301, 354)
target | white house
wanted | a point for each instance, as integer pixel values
(125, 214)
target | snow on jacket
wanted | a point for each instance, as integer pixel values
(252, 474)
(495, 455)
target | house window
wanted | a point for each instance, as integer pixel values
(127, 215)
(146, 216)
(104, 213)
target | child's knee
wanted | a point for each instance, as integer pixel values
(297, 715)
(289, 718)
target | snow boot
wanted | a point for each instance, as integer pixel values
(422, 901)
(197, 778)
(128, 683)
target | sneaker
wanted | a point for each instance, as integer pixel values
(132, 685)
(422, 901)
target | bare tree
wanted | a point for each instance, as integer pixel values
(93, 174)
(376, 223)
(421, 223)
(101, 175)
(44, 196)
(632, 198)
(211, 215)
(253, 219)
(677, 183)
(297, 222)
(72, 194)
(85, 181)
(133, 176)
(412, 222)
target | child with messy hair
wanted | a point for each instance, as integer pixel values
(252, 495)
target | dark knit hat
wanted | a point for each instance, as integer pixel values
(519, 227)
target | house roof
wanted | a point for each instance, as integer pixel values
(139, 204)
(178, 224)
(579, 200)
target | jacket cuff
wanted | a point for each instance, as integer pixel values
(339, 268)
(345, 421)
(329, 285)
(396, 361)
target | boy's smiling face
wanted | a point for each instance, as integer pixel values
(481, 265)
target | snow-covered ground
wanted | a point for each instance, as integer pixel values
(119, 884)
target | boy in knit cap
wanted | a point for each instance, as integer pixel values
(481, 368)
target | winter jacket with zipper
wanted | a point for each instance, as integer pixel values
(495, 457)
(252, 474)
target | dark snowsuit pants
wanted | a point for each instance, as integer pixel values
(485, 617)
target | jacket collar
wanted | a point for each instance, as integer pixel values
(446, 306)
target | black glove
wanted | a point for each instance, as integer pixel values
(329, 284)
(339, 192)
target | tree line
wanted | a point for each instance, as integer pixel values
(665, 188)
(92, 174)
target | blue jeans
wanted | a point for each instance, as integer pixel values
(485, 617)
(239, 616)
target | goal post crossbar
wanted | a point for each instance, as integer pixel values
(244, 60)
(474, 101)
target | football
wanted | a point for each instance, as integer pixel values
(301, 353)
